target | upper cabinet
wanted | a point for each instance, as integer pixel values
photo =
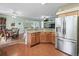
(68, 10)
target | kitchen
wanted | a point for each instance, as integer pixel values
(47, 31)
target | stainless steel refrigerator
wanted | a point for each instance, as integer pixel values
(67, 34)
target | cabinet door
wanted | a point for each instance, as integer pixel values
(37, 37)
(48, 37)
(33, 41)
(29, 39)
(42, 37)
(53, 37)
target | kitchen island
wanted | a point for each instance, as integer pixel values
(36, 36)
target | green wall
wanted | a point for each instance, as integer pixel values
(16, 20)
(25, 23)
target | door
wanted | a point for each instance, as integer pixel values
(59, 26)
(70, 47)
(70, 27)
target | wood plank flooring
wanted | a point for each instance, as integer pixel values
(38, 50)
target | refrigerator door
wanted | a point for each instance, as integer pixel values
(59, 26)
(70, 47)
(70, 27)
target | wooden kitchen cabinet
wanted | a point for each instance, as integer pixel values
(47, 37)
(33, 38)
(42, 37)
(37, 37)
(53, 38)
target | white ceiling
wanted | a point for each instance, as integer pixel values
(33, 9)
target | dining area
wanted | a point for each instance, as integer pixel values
(7, 36)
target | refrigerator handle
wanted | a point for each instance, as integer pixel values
(65, 26)
(56, 29)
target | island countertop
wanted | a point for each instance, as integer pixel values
(40, 30)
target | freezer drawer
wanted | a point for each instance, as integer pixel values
(70, 48)
(60, 44)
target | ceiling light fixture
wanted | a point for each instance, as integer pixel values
(13, 16)
(15, 13)
(45, 17)
(43, 2)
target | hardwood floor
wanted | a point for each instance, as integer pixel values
(38, 50)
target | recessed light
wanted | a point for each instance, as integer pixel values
(43, 3)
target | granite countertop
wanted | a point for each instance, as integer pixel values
(40, 30)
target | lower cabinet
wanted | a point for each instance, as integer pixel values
(47, 37)
(37, 37)
(40, 37)
(33, 38)
(53, 37)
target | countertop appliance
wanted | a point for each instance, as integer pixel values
(67, 34)
(51, 25)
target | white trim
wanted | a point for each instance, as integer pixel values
(69, 10)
